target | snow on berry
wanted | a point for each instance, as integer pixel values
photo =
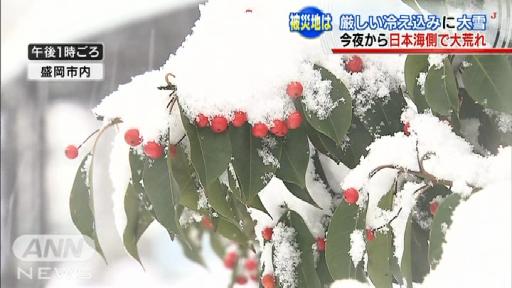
(202, 121)
(279, 128)
(286, 255)
(71, 151)
(239, 119)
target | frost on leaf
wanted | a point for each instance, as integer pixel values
(286, 255)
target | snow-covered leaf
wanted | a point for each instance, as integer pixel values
(487, 80)
(210, 152)
(414, 65)
(307, 272)
(441, 89)
(441, 222)
(294, 158)
(336, 125)
(81, 203)
(345, 220)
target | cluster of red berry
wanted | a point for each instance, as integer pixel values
(279, 127)
(351, 195)
(250, 266)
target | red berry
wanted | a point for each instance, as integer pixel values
(370, 234)
(240, 119)
(259, 130)
(219, 124)
(434, 205)
(267, 233)
(294, 120)
(279, 128)
(354, 65)
(251, 264)
(294, 90)
(153, 150)
(320, 244)
(201, 121)
(241, 280)
(406, 128)
(351, 195)
(132, 137)
(71, 151)
(230, 259)
(268, 281)
(206, 223)
(254, 277)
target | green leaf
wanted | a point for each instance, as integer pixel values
(257, 204)
(406, 263)
(217, 195)
(230, 231)
(487, 81)
(414, 65)
(383, 116)
(336, 125)
(323, 143)
(245, 221)
(441, 219)
(345, 220)
(252, 173)
(81, 203)
(218, 245)
(294, 158)
(441, 89)
(323, 271)
(380, 250)
(301, 193)
(307, 272)
(210, 152)
(184, 174)
(138, 219)
(160, 193)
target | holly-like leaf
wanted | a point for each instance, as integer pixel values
(217, 194)
(380, 250)
(192, 247)
(346, 219)
(414, 65)
(301, 193)
(230, 231)
(308, 276)
(159, 190)
(322, 271)
(336, 125)
(442, 220)
(81, 203)
(294, 158)
(252, 171)
(406, 263)
(210, 152)
(487, 80)
(138, 219)
(183, 173)
(383, 116)
(323, 143)
(441, 89)
(218, 245)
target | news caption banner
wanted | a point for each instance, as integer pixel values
(408, 33)
(65, 61)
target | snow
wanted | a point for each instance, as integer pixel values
(503, 120)
(316, 93)
(421, 81)
(245, 72)
(481, 230)
(266, 152)
(469, 128)
(357, 246)
(286, 255)
(140, 104)
(436, 60)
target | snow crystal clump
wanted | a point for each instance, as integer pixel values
(240, 70)
(286, 255)
(316, 94)
(421, 81)
(357, 246)
(266, 152)
(504, 120)
(436, 60)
